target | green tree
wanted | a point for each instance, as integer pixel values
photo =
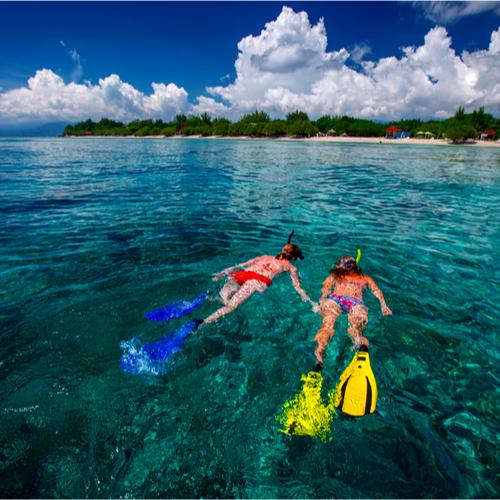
(187, 130)
(205, 118)
(194, 121)
(220, 126)
(86, 127)
(255, 117)
(118, 131)
(302, 128)
(145, 127)
(168, 131)
(459, 114)
(460, 132)
(180, 121)
(481, 120)
(297, 116)
(236, 129)
(105, 125)
(68, 130)
(205, 130)
(143, 130)
(275, 128)
(250, 129)
(324, 123)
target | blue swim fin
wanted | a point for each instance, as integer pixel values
(151, 358)
(176, 310)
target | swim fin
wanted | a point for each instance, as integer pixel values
(177, 309)
(357, 388)
(306, 414)
(150, 358)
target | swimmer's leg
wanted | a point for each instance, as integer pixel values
(330, 312)
(243, 294)
(358, 319)
(229, 289)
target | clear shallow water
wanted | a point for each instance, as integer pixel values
(94, 232)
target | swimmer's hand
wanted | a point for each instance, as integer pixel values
(315, 307)
(218, 276)
(386, 311)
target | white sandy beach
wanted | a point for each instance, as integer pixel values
(370, 140)
(383, 140)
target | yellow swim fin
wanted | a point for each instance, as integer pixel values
(306, 414)
(357, 389)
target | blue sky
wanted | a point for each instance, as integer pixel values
(195, 44)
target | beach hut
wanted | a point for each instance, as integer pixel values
(331, 133)
(420, 133)
(429, 134)
(490, 134)
(391, 132)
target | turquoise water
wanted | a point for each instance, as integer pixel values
(95, 232)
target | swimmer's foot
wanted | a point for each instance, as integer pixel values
(359, 342)
(318, 367)
(215, 298)
(197, 323)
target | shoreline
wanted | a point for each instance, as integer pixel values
(352, 140)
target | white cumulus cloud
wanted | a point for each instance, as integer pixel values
(289, 54)
(48, 98)
(486, 65)
(359, 51)
(287, 67)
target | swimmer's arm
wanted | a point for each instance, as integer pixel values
(380, 296)
(298, 288)
(327, 287)
(226, 271)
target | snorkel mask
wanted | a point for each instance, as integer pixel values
(348, 263)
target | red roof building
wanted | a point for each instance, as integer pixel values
(489, 135)
(391, 131)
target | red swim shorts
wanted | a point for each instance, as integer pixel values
(243, 276)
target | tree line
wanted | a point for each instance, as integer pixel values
(460, 127)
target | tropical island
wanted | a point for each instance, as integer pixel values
(460, 128)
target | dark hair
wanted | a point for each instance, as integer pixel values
(290, 252)
(345, 266)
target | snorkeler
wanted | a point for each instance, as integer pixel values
(256, 276)
(348, 283)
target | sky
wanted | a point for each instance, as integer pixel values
(68, 61)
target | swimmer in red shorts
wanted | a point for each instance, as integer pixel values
(256, 276)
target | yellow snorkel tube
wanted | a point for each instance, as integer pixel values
(358, 256)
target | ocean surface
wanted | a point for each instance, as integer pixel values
(95, 232)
